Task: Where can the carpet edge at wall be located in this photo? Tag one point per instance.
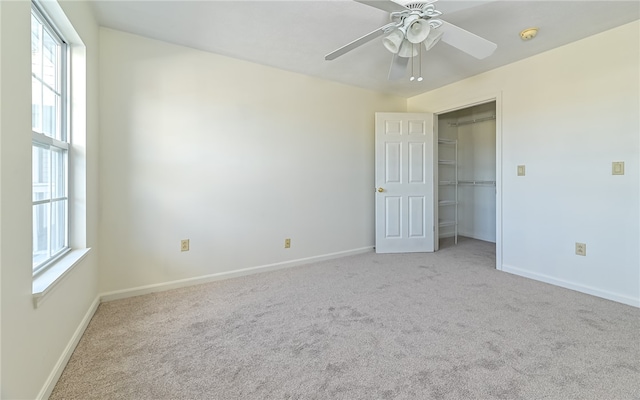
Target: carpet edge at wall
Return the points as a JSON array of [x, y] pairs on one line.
[[617, 297], [55, 374], [163, 286]]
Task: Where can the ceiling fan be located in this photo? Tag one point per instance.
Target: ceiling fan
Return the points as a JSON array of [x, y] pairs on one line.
[[412, 26]]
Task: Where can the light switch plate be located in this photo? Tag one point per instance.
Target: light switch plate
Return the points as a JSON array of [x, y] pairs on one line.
[[581, 249], [617, 168], [521, 170]]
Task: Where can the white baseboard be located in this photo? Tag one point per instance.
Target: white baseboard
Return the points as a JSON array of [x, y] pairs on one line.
[[51, 381], [635, 302], [160, 287], [478, 237], [446, 235]]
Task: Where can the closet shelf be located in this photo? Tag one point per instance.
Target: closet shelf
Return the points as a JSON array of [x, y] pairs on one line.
[[447, 223], [448, 176], [473, 121], [447, 141]]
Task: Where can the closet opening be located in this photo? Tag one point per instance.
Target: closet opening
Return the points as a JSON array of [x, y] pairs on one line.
[[466, 173]]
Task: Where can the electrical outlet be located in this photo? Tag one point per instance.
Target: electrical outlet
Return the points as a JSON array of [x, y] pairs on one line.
[[521, 170], [287, 243], [184, 245], [581, 249]]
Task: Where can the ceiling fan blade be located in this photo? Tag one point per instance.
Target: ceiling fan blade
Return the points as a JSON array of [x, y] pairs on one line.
[[466, 41], [359, 42], [384, 5], [398, 67]]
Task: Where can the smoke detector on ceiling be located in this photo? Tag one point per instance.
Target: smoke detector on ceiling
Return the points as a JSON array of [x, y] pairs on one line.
[[529, 33]]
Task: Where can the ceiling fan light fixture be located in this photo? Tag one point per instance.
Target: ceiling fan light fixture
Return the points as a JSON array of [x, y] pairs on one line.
[[393, 41], [408, 50], [433, 38], [418, 31]]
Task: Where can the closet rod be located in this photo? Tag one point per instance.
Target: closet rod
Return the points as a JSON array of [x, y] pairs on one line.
[[478, 183], [473, 121]]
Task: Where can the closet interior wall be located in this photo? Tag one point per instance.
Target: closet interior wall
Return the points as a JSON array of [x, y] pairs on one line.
[[474, 131]]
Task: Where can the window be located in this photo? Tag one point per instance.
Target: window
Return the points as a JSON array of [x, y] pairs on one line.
[[49, 124]]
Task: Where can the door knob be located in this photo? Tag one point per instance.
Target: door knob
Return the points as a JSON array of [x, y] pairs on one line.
[[380, 190]]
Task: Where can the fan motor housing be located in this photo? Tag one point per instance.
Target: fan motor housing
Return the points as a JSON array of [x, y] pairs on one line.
[[416, 6]]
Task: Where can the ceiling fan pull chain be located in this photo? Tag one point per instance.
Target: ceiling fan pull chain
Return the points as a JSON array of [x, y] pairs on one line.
[[420, 62], [412, 63]]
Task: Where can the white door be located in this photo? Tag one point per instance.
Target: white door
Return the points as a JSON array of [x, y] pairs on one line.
[[404, 183]]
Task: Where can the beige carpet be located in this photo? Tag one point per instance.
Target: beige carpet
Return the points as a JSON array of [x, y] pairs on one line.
[[412, 326]]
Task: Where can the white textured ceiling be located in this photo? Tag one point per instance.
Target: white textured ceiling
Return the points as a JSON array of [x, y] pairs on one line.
[[296, 35]]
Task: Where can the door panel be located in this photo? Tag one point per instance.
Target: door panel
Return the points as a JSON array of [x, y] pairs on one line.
[[393, 160], [416, 162], [416, 217], [405, 187], [393, 217], [417, 127]]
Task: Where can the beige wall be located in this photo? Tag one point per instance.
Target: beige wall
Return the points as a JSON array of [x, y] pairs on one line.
[[567, 114], [232, 155], [34, 339]]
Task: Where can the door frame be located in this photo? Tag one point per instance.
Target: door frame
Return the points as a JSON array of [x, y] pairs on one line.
[[497, 97]]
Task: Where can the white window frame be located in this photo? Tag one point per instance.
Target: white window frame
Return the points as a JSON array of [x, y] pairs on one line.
[[60, 142]]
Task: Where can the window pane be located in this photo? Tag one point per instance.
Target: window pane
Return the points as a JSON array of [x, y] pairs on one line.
[[40, 233], [49, 112], [58, 225], [58, 173], [36, 53], [49, 61], [49, 163], [40, 172], [36, 105]]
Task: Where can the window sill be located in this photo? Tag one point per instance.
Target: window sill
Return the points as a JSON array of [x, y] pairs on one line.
[[44, 283]]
